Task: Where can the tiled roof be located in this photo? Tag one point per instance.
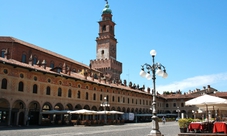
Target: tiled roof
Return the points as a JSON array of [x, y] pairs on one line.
[[192, 95], [12, 39]]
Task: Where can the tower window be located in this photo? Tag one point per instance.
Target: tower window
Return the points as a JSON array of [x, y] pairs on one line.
[[102, 52], [111, 28], [104, 28]]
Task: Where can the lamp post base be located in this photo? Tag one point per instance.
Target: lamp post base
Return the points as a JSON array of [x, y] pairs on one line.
[[155, 133], [155, 127]]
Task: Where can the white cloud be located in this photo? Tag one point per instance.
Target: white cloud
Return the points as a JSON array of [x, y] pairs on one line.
[[193, 83]]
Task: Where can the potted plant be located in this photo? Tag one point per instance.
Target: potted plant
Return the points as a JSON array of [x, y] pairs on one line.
[[183, 125]]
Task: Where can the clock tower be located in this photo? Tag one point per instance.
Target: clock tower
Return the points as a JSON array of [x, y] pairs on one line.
[[106, 47]]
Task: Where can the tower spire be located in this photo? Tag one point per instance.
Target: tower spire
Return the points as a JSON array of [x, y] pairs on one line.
[[107, 9]]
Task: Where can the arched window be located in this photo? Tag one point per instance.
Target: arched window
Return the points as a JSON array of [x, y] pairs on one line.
[[35, 88], [21, 86], [48, 90], [78, 94], [69, 93], [174, 104], [59, 92], [86, 95], [4, 83], [94, 96]]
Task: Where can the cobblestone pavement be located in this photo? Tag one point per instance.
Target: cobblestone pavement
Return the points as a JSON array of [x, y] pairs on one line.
[[131, 129]]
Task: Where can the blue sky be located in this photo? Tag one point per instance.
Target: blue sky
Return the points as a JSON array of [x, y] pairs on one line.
[[189, 36]]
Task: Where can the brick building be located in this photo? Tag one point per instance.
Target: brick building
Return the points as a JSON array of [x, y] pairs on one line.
[[33, 80]]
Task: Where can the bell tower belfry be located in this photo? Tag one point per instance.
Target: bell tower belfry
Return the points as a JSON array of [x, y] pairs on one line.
[[106, 47]]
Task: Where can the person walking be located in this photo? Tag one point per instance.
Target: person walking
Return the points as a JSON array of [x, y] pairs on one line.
[[163, 120], [28, 120]]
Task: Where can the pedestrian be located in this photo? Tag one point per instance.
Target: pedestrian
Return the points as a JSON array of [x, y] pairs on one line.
[[163, 120], [27, 123]]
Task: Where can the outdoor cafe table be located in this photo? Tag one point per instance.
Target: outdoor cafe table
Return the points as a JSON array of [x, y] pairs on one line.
[[196, 126], [220, 127]]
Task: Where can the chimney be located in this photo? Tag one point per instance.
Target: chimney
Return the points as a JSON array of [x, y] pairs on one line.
[[208, 86], [149, 90]]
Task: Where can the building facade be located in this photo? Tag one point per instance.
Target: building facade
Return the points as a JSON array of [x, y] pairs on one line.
[[34, 80]]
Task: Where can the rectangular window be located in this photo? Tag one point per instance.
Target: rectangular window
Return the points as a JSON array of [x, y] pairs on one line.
[[48, 90], [35, 88], [52, 65], [3, 54], [35, 61], [78, 94], [24, 58], [69, 93]]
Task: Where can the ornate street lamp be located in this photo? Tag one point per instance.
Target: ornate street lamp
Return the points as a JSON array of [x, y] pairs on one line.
[[155, 68], [178, 111], [104, 105]]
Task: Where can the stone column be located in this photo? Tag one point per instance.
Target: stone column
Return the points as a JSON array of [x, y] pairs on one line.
[[9, 117]]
